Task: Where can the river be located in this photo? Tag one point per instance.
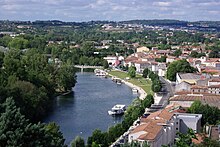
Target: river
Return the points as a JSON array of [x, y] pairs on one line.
[[86, 109]]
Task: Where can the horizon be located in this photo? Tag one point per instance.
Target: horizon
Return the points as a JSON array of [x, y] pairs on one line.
[[112, 10], [111, 20]]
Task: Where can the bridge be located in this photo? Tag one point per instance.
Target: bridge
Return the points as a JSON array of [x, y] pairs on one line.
[[87, 66]]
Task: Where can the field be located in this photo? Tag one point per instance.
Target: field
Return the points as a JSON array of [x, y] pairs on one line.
[[138, 80]]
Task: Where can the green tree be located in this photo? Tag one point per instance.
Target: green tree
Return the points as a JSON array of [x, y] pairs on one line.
[[4, 41], [161, 59], [181, 66], [185, 140], [98, 137], [214, 54], [15, 130], [132, 72], [207, 142], [210, 115], [148, 101], [146, 72], [78, 142], [177, 53], [156, 86], [65, 77], [31, 99], [12, 64], [105, 64], [19, 43], [1, 58], [194, 54], [54, 134]]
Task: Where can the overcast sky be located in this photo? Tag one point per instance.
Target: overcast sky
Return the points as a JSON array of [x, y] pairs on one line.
[[116, 10]]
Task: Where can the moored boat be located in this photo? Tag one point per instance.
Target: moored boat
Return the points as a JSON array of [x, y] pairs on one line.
[[117, 110]]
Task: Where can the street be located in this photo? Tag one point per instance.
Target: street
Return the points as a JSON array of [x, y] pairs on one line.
[[167, 91]]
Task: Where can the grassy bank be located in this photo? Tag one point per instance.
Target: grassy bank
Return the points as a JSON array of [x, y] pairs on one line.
[[138, 80]]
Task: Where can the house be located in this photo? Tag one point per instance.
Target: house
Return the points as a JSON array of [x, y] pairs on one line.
[[217, 65], [187, 77], [154, 66], [214, 81], [112, 60], [170, 59], [142, 49], [130, 60], [162, 69], [214, 132], [214, 89], [186, 100], [186, 120], [160, 127], [162, 52], [198, 89], [183, 86], [141, 65], [104, 42]]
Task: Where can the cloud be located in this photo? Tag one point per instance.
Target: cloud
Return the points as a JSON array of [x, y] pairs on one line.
[[85, 10], [162, 4]]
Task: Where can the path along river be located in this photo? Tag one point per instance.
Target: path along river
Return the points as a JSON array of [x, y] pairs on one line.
[[86, 109]]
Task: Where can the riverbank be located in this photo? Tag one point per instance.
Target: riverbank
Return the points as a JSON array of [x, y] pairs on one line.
[[143, 86]]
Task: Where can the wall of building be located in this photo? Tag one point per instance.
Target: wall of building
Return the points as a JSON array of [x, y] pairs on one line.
[[183, 86], [189, 121]]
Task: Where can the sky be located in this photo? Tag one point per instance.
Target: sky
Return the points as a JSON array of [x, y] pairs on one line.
[[114, 10]]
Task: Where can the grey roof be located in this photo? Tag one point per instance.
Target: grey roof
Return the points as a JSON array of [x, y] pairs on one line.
[[189, 76]]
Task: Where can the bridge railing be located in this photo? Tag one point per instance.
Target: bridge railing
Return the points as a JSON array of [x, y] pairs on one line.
[[87, 66]]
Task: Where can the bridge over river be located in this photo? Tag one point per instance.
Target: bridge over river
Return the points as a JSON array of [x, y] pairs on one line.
[[87, 66]]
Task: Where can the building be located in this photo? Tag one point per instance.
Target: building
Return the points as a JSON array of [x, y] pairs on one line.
[[112, 60], [186, 100], [160, 127], [183, 86], [142, 49], [214, 89], [162, 69], [154, 66], [187, 77], [141, 65], [214, 81], [198, 89], [186, 120]]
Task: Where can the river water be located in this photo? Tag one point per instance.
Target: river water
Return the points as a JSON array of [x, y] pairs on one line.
[[80, 113]]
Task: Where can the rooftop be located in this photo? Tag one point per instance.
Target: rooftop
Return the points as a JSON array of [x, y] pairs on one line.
[[190, 76], [153, 124], [213, 100]]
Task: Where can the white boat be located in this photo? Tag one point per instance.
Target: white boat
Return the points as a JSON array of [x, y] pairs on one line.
[[117, 110], [100, 73], [134, 90], [118, 83]]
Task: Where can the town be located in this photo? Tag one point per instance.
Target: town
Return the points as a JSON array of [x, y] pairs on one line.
[[179, 59]]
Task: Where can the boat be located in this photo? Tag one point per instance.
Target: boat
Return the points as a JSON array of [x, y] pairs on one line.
[[134, 90], [118, 83], [100, 73], [117, 110]]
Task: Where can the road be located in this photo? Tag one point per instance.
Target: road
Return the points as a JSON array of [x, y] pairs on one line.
[[167, 91]]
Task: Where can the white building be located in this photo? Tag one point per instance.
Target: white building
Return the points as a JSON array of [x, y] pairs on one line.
[[141, 65], [160, 127], [111, 60]]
